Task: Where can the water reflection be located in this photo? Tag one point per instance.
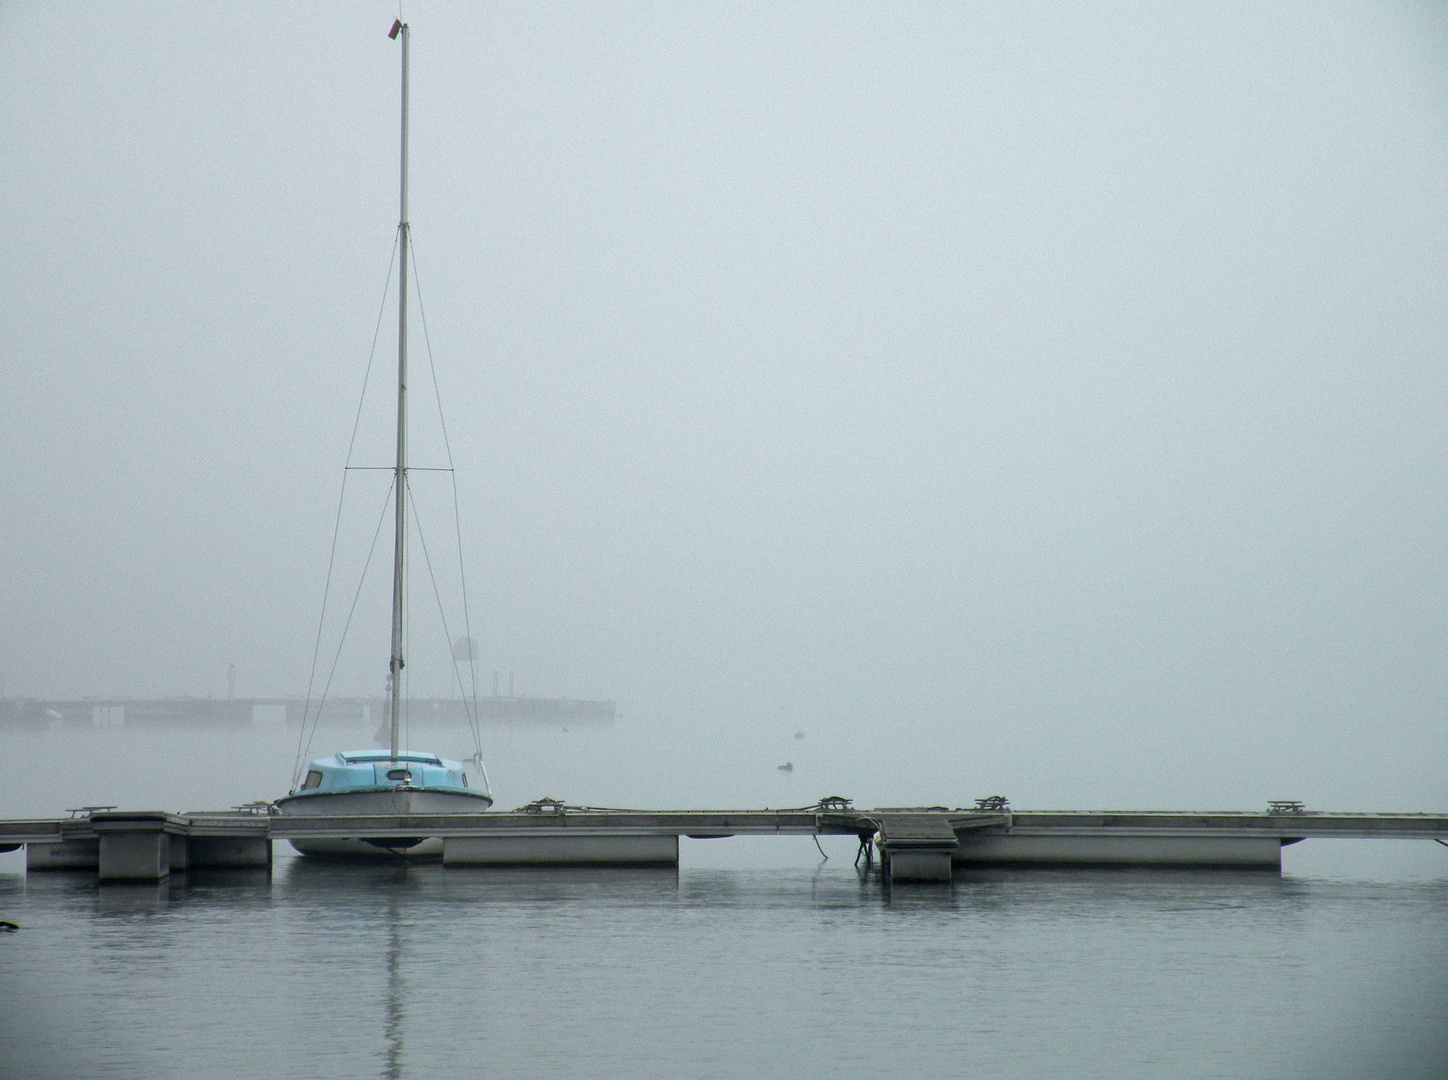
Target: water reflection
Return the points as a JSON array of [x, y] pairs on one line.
[[255, 880], [310, 879], [392, 1053], [654, 973], [132, 898]]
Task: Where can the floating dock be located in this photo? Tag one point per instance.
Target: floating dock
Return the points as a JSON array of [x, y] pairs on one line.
[[913, 843]]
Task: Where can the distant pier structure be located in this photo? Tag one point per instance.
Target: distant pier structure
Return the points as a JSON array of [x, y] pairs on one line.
[[261, 712]]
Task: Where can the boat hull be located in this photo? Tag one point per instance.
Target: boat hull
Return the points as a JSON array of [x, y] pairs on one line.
[[350, 849], [388, 801]]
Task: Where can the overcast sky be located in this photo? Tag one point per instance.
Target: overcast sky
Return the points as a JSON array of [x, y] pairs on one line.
[[986, 384]]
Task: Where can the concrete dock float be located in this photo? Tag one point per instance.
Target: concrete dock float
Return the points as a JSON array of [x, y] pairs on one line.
[[914, 843]]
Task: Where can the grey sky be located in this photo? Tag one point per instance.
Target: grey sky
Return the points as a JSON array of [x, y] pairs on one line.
[[981, 384]]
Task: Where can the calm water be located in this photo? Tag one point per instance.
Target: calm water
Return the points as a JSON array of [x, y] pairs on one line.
[[398, 971], [751, 961]]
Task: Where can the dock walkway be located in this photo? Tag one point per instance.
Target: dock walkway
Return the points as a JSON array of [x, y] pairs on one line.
[[916, 843]]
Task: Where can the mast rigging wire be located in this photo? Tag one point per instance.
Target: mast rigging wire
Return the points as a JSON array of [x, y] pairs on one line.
[[442, 617], [297, 770], [473, 717], [470, 701], [337, 523]]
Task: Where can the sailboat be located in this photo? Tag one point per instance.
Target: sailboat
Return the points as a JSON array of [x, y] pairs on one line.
[[395, 781]]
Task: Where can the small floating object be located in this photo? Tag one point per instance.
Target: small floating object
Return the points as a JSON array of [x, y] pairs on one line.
[[799, 734], [788, 766], [7, 927]]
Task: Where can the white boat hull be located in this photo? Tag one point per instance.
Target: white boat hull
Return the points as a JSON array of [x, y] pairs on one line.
[[399, 801]]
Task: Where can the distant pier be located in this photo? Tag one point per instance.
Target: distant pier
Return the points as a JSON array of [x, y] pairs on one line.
[[911, 843], [264, 711]]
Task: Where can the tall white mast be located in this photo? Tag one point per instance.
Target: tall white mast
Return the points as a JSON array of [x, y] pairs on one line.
[[400, 473]]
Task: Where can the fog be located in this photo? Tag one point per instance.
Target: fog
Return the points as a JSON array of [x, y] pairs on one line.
[[1045, 400]]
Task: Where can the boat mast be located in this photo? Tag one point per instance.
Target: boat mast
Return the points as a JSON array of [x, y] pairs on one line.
[[400, 473]]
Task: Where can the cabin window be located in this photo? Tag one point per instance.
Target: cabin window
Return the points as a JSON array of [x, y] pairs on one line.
[[399, 774], [465, 779], [314, 779]]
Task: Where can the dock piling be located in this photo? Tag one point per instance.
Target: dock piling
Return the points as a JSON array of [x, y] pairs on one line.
[[916, 846], [133, 846]]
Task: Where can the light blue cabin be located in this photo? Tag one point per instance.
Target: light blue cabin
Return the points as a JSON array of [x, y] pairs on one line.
[[377, 770]]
